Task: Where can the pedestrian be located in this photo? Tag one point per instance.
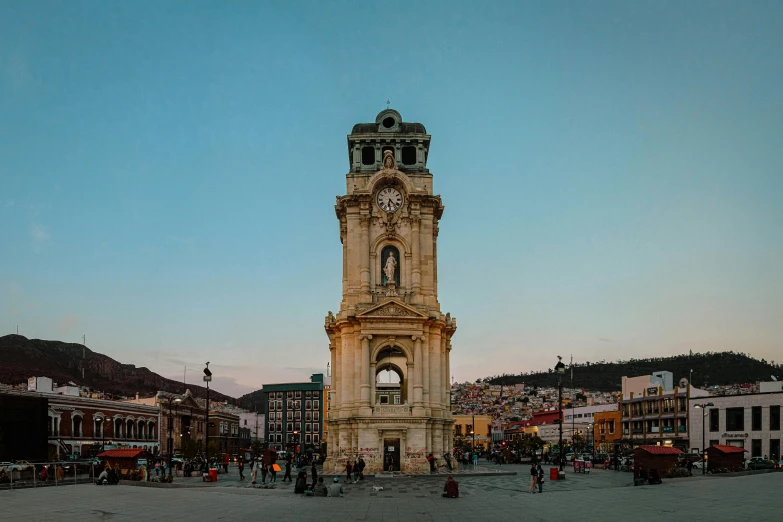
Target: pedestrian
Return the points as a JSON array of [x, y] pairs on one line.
[[361, 468], [287, 470], [264, 471], [348, 470], [157, 469], [540, 478], [254, 470], [533, 479], [356, 472], [431, 461], [273, 473], [475, 461], [314, 473], [241, 467]]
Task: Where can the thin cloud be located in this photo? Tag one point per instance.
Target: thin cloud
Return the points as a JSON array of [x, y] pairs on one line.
[[38, 233], [605, 340]]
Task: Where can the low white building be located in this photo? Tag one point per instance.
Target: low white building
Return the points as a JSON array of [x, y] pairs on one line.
[[750, 421], [254, 422], [579, 420]]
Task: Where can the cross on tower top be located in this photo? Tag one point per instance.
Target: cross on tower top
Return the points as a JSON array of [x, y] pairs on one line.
[[387, 103]]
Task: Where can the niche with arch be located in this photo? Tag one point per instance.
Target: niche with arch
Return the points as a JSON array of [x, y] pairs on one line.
[[387, 250]]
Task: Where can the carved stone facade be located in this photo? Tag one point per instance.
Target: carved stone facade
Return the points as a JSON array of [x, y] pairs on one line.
[[384, 322]]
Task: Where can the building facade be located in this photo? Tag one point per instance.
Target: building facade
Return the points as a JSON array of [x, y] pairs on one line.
[[654, 415], [750, 421], [183, 419], [473, 431], [295, 414], [606, 430], [224, 432], [389, 316], [255, 423]]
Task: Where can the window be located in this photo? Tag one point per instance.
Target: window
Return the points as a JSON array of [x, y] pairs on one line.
[[308, 405], [774, 449], [611, 427], [714, 442], [368, 155], [290, 404], [714, 419], [384, 399], [774, 418], [308, 439], [316, 416], [735, 419], [315, 428], [289, 426], [329, 396], [756, 418], [396, 399], [289, 415], [298, 426], [316, 405], [308, 427], [409, 155], [298, 394], [298, 415], [279, 437], [245, 422], [308, 416], [289, 395], [755, 448], [298, 405], [308, 394]]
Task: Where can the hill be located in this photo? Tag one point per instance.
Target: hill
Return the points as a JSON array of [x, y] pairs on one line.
[[723, 368], [62, 362]]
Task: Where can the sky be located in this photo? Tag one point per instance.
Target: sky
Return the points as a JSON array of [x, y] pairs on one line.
[[611, 173]]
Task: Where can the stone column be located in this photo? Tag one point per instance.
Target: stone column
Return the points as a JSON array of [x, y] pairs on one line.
[[335, 377], [364, 221], [416, 258], [365, 372], [344, 241], [445, 383], [418, 363], [345, 393], [409, 378], [372, 384], [436, 393], [356, 350], [437, 439], [425, 395]]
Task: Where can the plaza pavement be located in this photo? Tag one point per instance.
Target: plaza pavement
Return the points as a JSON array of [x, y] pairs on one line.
[[601, 495]]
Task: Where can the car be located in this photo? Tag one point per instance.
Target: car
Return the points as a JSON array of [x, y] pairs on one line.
[[760, 463]]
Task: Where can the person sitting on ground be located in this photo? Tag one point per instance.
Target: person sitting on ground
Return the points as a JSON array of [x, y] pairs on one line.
[[301, 483], [320, 489], [451, 488], [336, 489], [104, 476], [655, 478]]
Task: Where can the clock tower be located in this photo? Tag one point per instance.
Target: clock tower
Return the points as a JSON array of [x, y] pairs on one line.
[[390, 343]]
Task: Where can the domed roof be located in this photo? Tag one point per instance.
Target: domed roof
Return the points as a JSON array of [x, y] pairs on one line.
[[389, 120]]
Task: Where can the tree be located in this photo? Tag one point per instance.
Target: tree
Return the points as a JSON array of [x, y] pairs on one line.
[[257, 448], [578, 441]]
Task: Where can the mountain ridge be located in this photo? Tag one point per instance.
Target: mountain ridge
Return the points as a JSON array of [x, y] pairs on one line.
[[23, 358]]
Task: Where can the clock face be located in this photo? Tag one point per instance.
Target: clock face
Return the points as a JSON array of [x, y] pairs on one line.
[[389, 199]]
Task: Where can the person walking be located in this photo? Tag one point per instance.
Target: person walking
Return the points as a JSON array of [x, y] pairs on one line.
[[264, 471], [475, 461], [540, 478], [241, 467], [273, 473], [533, 479], [287, 470], [356, 472], [314, 472], [254, 470], [348, 470], [361, 468]]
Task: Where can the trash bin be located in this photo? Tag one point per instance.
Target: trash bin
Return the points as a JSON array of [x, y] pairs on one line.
[[213, 474], [561, 475], [553, 473]]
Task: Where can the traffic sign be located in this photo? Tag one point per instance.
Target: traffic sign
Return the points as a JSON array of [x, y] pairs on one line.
[[207, 378]]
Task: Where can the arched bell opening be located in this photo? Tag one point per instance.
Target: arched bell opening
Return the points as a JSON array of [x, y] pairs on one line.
[[391, 377]]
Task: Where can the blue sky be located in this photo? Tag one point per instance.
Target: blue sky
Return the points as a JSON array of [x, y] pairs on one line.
[[611, 171]]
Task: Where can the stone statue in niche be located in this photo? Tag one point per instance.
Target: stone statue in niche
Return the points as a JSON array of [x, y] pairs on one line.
[[388, 159], [391, 267]]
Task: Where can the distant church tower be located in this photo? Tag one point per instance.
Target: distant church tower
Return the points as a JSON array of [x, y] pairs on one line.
[[390, 320]]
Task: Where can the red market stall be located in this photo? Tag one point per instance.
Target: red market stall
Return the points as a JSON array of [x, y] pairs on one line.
[[721, 456], [659, 458]]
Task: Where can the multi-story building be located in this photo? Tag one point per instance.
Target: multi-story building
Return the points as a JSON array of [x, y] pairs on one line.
[[750, 421], [82, 426], [473, 430], [254, 422], [606, 430], [655, 411], [183, 418], [580, 420], [327, 400], [224, 431], [295, 414]]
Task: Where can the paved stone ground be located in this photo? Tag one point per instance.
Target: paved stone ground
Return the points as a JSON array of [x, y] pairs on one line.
[[597, 496]]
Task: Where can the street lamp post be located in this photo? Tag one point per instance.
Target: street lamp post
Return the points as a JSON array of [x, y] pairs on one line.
[[703, 407], [560, 369], [170, 398], [473, 432], [207, 378]]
